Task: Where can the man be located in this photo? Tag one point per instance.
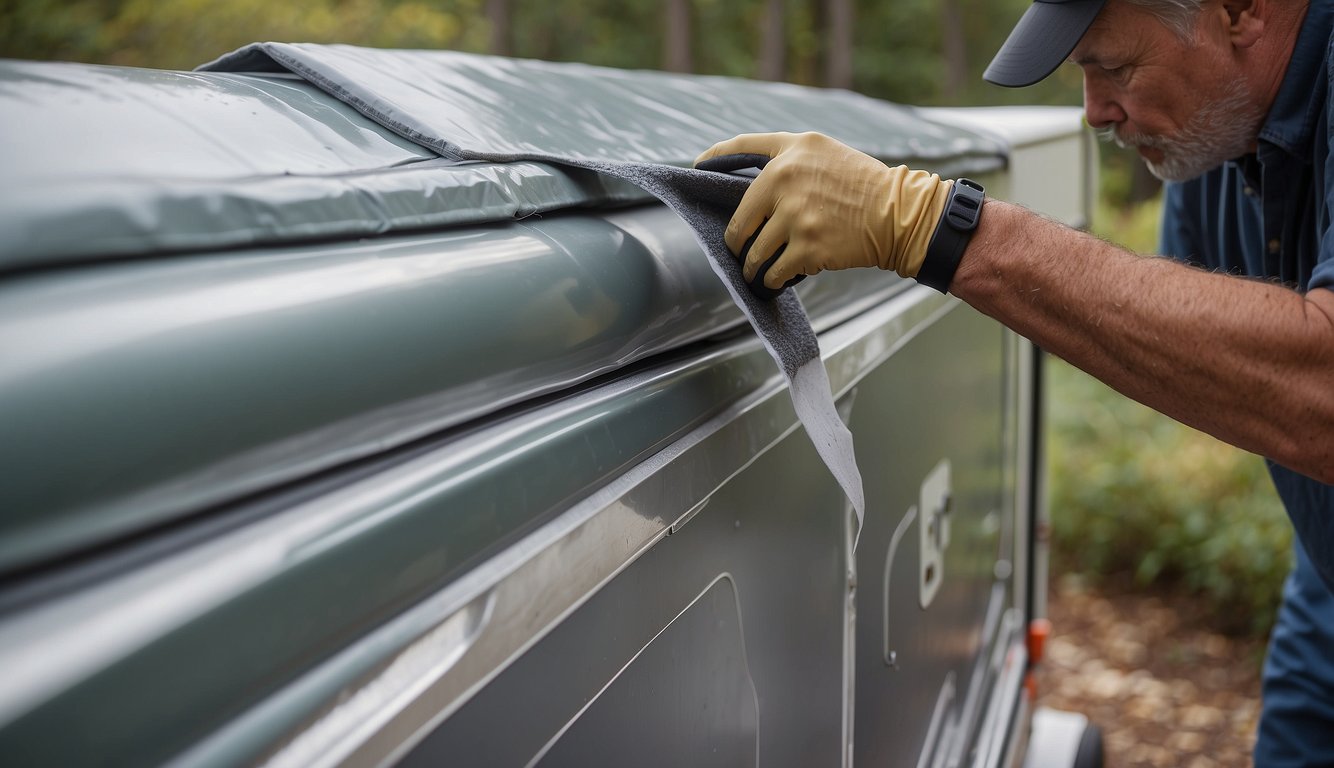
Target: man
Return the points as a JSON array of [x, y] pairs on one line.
[[1228, 97]]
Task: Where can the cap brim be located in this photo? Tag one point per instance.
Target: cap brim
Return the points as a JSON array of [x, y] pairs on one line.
[[1042, 39]]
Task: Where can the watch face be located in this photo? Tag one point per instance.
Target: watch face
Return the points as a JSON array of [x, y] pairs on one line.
[[965, 205]]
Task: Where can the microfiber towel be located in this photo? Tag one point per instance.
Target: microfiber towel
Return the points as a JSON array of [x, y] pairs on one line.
[[377, 84], [706, 200]]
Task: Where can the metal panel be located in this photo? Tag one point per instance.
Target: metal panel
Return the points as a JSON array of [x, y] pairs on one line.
[[1049, 156], [531, 633], [776, 531], [686, 698], [357, 555], [773, 499], [188, 383], [211, 630], [941, 399]]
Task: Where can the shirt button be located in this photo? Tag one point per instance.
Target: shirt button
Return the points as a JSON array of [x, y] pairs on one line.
[[1274, 245]]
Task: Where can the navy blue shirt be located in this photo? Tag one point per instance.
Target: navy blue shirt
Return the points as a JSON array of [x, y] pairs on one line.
[[1268, 215]]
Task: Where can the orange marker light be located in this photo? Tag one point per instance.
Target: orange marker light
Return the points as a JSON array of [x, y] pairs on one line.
[[1038, 631]]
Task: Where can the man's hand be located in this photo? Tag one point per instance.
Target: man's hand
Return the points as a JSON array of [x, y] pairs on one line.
[[833, 207]]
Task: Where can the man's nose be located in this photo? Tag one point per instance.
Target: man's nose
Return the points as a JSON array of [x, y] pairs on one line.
[[1101, 108]]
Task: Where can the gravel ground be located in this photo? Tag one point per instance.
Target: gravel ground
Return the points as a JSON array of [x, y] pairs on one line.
[[1165, 689]]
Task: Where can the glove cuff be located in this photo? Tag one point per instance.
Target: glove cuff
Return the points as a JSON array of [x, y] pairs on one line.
[[958, 221], [914, 203]]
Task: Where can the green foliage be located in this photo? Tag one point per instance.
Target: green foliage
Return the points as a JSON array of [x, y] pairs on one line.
[[616, 33], [1135, 493], [900, 54], [1124, 180], [727, 36], [897, 52], [179, 34], [1130, 226]]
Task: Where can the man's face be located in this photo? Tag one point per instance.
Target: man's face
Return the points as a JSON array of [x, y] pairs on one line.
[[1183, 104]]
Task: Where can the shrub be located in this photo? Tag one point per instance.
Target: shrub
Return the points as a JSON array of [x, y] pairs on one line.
[[1134, 493]]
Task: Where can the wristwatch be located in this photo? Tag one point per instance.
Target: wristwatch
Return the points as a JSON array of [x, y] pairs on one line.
[[953, 231]]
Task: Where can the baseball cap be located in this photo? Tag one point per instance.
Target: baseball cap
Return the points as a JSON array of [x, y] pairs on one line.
[[1043, 38]]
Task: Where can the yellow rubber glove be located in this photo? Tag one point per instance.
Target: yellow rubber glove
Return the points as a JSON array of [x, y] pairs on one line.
[[833, 206]]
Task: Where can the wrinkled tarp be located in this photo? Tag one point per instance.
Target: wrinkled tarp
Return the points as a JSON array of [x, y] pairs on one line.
[[449, 101], [185, 162]]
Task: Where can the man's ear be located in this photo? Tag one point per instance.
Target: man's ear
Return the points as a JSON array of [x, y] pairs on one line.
[[1245, 21]]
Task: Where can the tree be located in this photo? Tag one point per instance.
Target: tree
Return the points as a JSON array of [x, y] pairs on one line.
[[773, 41], [838, 43], [499, 14], [676, 46], [954, 46]]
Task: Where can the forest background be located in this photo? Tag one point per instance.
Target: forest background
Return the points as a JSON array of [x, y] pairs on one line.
[[1137, 499]]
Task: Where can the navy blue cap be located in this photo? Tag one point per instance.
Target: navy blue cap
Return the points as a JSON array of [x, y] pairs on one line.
[[1043, 38]]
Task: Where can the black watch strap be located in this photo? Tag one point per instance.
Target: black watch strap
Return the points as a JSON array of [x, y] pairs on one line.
[[953, 231]]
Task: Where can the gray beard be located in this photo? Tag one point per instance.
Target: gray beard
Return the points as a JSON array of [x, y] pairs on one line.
[[1221, 130]]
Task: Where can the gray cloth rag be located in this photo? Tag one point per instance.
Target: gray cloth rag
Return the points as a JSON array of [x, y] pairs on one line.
[[704, 199]]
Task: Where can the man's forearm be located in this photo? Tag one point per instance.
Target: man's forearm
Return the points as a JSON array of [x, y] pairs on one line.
[[1247, 361]]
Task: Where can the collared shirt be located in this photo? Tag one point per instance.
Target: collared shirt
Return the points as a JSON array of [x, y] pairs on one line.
[[1268, 215]]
